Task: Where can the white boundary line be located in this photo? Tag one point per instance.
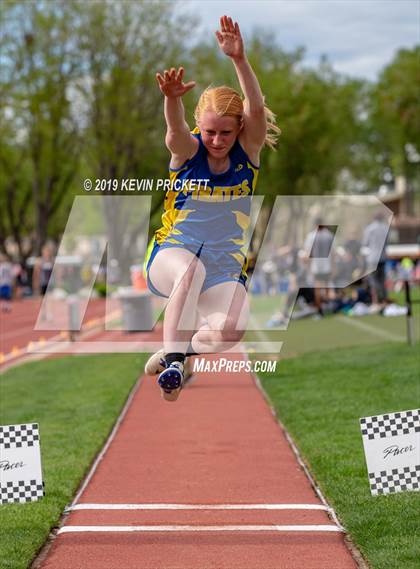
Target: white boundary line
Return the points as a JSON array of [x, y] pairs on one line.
[[329, 509], [196, 528], [311, 480], [42, 555], [371, 329], [108, 442], [198, 507], [270, 346], [179, 528]]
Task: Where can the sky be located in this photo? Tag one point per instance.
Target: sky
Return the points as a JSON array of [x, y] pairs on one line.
[[359, 37]]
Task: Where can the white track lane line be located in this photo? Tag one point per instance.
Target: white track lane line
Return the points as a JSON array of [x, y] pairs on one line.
[[76, 506], [272, 347], [296, 452], [179, 528], [198, 507], [371, 329], [108, 441]]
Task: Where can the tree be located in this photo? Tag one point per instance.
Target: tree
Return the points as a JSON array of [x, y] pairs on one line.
[[395, 116], [123, 45], [40, 66], [317, 110], [16, 219], [79, 89]]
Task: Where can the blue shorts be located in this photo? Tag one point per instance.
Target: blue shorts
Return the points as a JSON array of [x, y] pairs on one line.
[[5, 292], [220, 266]]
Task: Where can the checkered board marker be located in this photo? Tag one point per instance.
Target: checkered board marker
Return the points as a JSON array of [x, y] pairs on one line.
[[20, 464], [392, 449]]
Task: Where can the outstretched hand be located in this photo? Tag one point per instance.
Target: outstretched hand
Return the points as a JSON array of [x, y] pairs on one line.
[[229, 38], [171, 83]]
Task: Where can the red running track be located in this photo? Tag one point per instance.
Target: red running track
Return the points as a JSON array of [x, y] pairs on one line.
[[218, 444], [17, 328]]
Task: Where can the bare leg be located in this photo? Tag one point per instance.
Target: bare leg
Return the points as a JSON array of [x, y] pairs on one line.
[[318, 296], [226, 309], [178, 274]]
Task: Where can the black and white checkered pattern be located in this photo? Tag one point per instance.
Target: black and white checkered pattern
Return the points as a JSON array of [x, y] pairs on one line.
[[396, 480], [17, 436], [392, 424], [22, 491]]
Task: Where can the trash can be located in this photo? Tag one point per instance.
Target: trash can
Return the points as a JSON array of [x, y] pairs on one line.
[[137, 313]]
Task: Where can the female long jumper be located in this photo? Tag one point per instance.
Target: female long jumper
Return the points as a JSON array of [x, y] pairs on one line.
[[198, 259]]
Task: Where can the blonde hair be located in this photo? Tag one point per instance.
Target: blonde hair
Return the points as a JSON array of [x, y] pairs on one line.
[[225, 101]]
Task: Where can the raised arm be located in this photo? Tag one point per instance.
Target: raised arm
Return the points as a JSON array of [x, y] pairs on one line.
[[255, 123], [178, 138]]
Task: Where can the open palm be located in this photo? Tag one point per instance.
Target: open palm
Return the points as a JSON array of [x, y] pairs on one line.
[[172, 85], [229, 38]]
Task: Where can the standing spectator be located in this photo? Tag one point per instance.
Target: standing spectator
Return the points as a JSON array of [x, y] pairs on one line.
[[43, 270], [21, 279], [318, 251], [353, 257], [6, 283], [42, 279], [349, 262], [374, 243]]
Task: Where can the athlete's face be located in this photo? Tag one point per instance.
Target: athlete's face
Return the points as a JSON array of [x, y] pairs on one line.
[[218, 133]]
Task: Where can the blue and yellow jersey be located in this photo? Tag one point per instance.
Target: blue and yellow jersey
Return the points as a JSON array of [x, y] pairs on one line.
[[214, 214]]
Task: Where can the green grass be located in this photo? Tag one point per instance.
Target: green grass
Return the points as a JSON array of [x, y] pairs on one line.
[[76, 401], [308, 335], [320, 397], [399, 298]]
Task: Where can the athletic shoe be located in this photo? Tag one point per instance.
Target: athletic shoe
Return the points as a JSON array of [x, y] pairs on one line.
[[156, 363], [171, 381]]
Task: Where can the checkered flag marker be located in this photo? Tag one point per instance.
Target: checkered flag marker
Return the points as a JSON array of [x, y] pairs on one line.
[[392, 450], [20, 464]]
